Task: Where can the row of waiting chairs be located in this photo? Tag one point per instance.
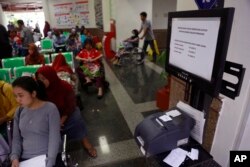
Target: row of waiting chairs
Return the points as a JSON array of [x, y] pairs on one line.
[[15, 67], [47, 44], [20, 61], [7, 75]]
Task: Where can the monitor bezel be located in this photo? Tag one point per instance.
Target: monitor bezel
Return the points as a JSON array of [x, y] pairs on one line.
[[211, 87]]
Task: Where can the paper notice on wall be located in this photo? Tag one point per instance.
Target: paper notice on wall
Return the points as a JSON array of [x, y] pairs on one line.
[[71, 13], [198, 116]]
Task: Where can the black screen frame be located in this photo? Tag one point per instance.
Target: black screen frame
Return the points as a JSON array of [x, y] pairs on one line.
[[210, 87]]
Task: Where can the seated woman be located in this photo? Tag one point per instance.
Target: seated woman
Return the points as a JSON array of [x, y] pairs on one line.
[[90, 68], [36, 124], [62, 95], [7, 107], [34, 57], [59, 42], [64, 71], [127, 45], [73, 43], [49, 35]]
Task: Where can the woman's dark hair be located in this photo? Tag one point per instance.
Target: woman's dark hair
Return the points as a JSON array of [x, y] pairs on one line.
[[88, 41], [82, 29], [135, 32], [29, 84], [20, 22]]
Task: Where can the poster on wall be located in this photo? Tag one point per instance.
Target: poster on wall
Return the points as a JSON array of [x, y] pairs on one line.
[[98, 13], [71, 14]]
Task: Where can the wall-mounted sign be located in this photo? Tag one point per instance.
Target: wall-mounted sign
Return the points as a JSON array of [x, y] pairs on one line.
[[72, 14]]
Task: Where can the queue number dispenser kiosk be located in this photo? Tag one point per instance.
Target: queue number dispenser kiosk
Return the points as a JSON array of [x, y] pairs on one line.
[[197, 46], [163, 131]]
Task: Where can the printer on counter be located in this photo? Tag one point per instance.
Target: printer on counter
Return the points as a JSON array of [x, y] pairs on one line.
[[163, 131]]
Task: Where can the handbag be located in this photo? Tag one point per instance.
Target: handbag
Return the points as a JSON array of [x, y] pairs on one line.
[[59, 162]]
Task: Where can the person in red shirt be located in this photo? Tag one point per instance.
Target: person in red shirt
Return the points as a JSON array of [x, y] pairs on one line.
[[90, 68], [62, 95]]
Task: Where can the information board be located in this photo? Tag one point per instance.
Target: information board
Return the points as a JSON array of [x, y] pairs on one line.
[[193, 44], [71, 14]]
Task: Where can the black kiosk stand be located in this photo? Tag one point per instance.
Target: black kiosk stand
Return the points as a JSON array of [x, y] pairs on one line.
[[197, 44]]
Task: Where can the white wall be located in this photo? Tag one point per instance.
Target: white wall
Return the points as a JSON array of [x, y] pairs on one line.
[[160, 12], [128, 16], [234, 111], [91, 13], [230, 121], [106, 15], [244, 134], [1, 15], [186, 5], [45, 4]]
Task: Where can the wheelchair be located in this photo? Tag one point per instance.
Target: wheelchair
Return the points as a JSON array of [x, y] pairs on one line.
[[128, 54]]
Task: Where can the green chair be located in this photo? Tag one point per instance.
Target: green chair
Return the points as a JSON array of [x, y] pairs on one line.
[[53, 56], [68, 56], [66, 34], [47, 46], [5, 74], [13, 62], [71, 64], [25, 70], [47, 58]]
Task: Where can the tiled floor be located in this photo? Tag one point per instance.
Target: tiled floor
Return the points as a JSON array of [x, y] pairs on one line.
[[111, 121], [141, 82]]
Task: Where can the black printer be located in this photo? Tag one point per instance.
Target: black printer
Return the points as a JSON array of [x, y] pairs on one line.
[[163, 131]]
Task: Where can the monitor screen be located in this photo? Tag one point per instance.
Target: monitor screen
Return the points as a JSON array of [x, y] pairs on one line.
[[197, 46], [193, 43]]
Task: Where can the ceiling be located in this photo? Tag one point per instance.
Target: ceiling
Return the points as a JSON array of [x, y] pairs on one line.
[[16, 6]]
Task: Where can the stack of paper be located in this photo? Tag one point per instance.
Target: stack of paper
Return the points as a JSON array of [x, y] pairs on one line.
[[198, 116], [193, 154], [178, 156], [38, 161], [167, 116], [173, 113]]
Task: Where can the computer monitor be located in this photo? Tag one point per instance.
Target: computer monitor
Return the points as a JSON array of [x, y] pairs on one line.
[[197, 46]]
